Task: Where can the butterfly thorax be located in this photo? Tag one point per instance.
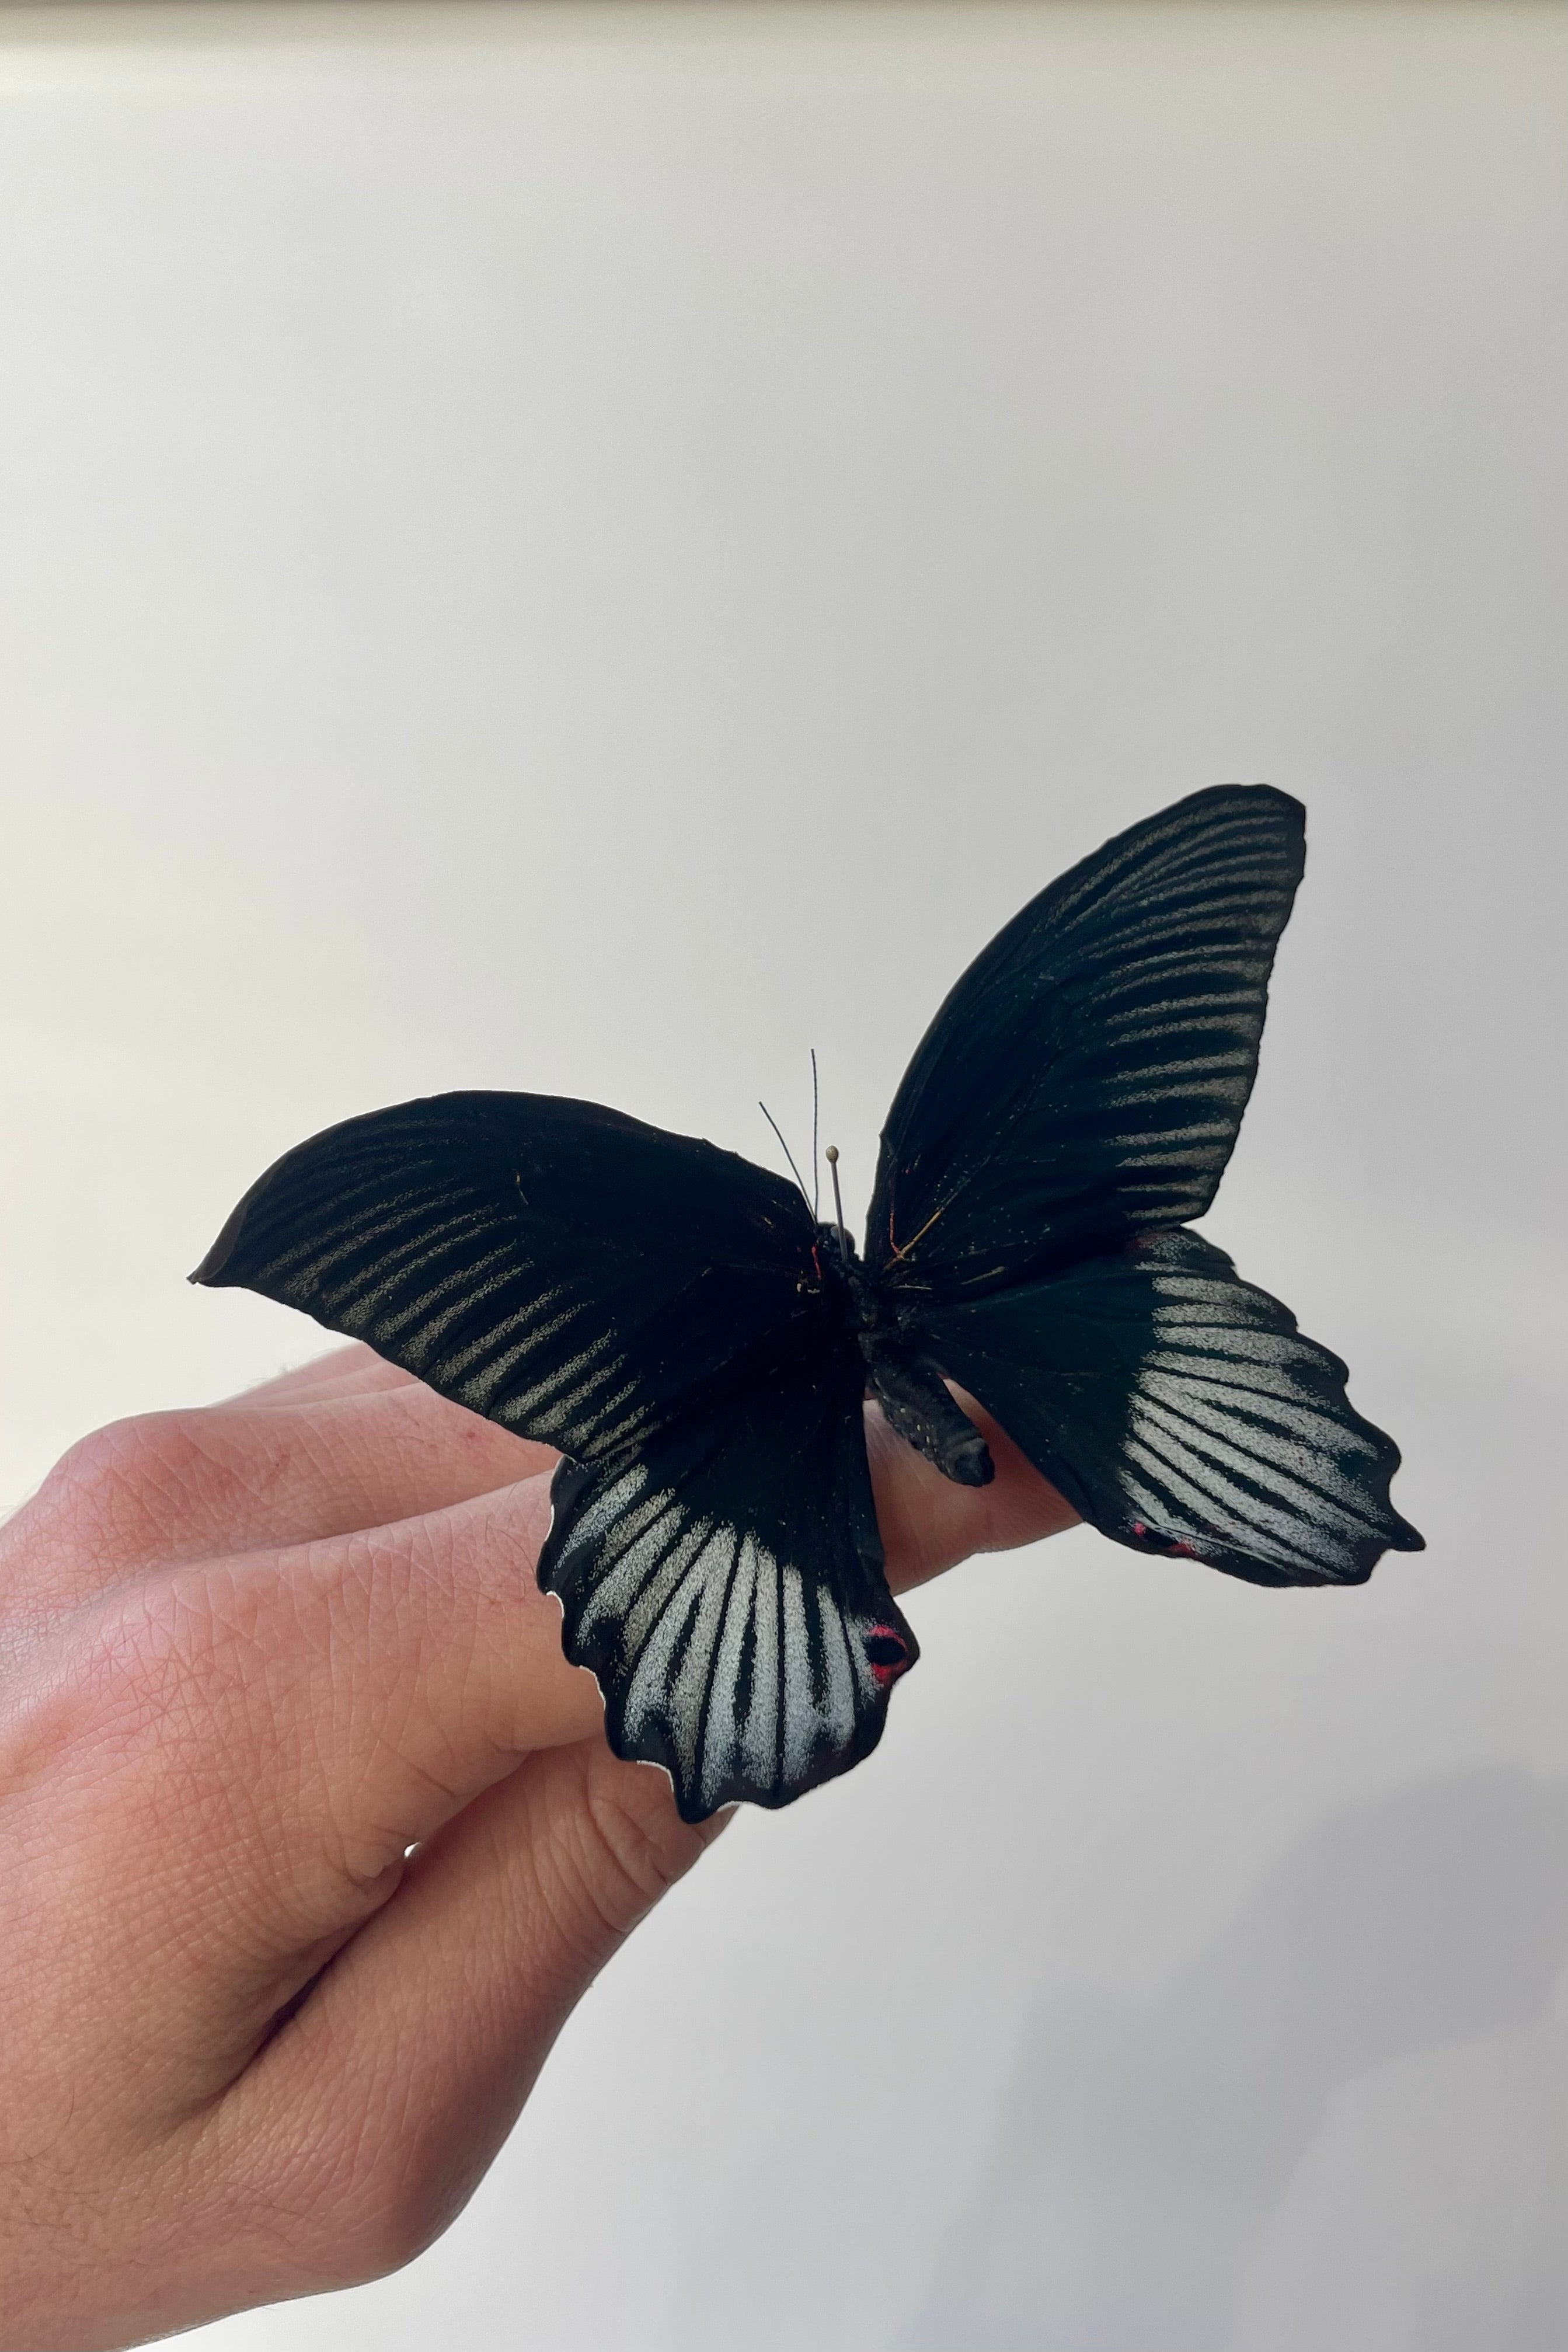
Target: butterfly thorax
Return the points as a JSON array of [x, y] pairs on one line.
[[906, 1383]]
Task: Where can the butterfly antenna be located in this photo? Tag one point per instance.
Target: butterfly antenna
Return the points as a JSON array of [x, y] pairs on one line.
[[837, 1204], [788, 1154], [816, 1162]]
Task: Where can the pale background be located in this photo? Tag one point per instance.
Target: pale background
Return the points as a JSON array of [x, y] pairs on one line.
[[594, 549]]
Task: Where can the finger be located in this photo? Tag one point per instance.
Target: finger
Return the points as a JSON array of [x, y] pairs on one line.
[[928, 1523], [412, 2053], [340, 1372], [369, 1686], [425, 1659], [238, 1477], [301, 1719], [346, 1700]]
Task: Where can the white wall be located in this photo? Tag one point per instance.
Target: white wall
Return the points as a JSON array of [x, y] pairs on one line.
[[594, 549]]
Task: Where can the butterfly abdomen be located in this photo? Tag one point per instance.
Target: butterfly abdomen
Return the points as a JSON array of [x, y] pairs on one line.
[[918, 1405]]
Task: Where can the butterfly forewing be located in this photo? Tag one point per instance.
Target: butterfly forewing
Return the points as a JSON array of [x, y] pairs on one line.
[[1180, 1410], [724, 1582], [569, 1272], [1087, 1077]]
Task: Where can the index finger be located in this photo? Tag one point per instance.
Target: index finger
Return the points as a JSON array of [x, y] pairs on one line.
[[928, 1523]]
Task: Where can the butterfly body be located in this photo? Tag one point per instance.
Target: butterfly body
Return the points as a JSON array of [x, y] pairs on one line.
[[903, 1380], [700, 1346], [919, 1406]]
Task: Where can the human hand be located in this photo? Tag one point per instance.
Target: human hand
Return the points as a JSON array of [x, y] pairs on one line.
[[249, 1656]]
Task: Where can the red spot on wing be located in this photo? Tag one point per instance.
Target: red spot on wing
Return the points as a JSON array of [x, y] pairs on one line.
[[1166, 1545], [887, 1653]]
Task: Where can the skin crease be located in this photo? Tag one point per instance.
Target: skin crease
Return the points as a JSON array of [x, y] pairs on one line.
[[249, 1655]]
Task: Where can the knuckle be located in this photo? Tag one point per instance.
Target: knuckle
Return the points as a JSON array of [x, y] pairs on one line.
[[81, 1489], [128, 1488], [129, 1453], [146, 1694], [167, 1652]]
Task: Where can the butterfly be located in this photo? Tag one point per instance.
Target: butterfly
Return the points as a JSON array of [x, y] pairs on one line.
[[699, 1345]]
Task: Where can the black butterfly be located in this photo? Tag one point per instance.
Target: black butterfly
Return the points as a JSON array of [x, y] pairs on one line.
[[698, 1346]]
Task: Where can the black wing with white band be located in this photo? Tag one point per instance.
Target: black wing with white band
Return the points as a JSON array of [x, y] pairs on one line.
[[567, 1272], [1180, 1410], [724, 1581]]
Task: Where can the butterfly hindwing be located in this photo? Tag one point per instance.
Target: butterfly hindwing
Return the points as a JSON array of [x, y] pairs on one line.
[[1086, 1078], [566, 1271], [724, 1581], [1179, 1410]]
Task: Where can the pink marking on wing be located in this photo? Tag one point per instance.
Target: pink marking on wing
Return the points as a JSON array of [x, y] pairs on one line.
[[886, 1668]]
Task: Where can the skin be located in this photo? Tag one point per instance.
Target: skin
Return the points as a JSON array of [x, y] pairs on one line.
[[249, 1655]]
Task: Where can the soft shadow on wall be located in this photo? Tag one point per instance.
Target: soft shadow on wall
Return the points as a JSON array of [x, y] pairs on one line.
[[1144, 2147]]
